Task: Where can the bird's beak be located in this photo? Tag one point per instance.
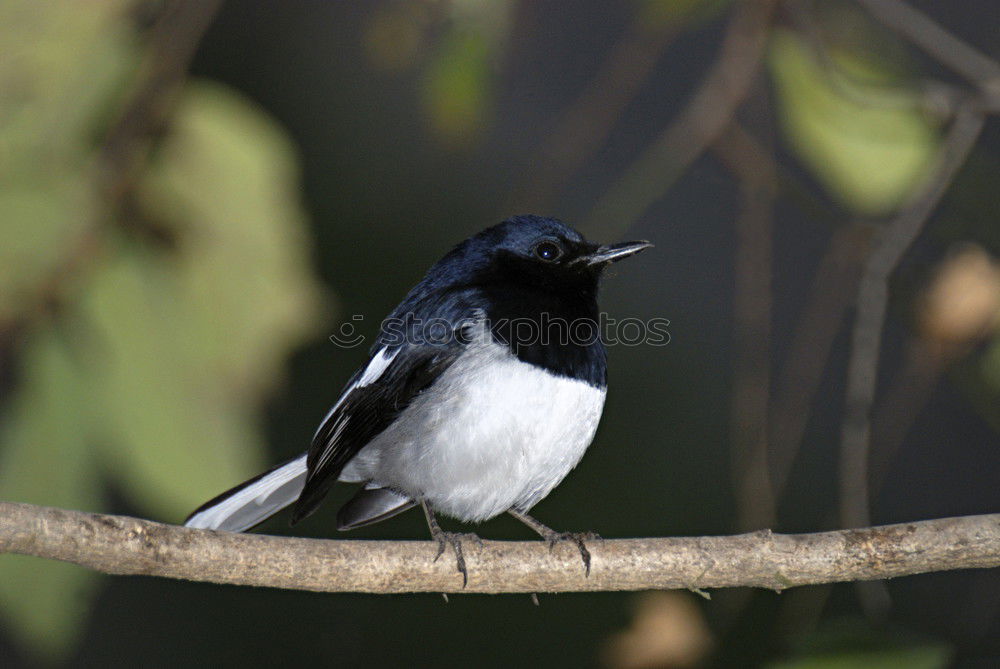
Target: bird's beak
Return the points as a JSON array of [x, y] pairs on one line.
[[614, 252]]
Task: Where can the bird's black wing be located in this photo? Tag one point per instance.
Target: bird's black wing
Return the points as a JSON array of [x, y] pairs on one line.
[[372, 401]]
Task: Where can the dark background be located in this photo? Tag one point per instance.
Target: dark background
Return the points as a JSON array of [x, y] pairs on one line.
[[387, 199]]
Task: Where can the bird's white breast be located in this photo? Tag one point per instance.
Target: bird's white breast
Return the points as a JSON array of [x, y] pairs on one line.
[[492, 433]]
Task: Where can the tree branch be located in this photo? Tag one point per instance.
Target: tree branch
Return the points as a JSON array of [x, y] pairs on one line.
[[175, 38], [122, 545], [955, 53]]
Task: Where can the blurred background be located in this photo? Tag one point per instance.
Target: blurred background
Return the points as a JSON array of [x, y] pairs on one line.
[[195, 194]]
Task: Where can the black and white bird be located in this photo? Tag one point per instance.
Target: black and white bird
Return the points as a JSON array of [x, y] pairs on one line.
[[482, 391]]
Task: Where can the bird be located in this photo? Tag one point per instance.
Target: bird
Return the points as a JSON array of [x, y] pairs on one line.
[[482, 391]]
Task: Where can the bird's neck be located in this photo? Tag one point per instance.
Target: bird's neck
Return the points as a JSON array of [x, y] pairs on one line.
[[558, 331]]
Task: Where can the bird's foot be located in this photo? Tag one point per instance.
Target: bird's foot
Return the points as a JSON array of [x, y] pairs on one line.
[[553, 537], [578, 538], [454, 539]]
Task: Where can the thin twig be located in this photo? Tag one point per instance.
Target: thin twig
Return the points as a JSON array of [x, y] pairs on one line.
[[753, 165], [949, 50], [586, 124], [893, 242], [830, 297], [175, 38], [936, 98], [862, 369], [708, 113], [122, 545]]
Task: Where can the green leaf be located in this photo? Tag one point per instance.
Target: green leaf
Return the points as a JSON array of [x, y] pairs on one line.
[[227, 181], [869, 145], [457, 86], [45, 459], [176, 345], [187, 340], [169, 433], [43, 222], [60, 68]]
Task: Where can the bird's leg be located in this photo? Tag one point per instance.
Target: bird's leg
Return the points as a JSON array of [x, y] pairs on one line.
[[453, 539], [554, 537]]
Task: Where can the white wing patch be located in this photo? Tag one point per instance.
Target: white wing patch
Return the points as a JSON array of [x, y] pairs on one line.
[[379, 363], [375, 369]]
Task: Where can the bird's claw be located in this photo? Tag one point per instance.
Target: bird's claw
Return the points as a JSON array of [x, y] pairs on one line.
[[577, 538], [454, 539]]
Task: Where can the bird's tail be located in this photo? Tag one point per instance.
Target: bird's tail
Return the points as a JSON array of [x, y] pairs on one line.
[[254, 501]]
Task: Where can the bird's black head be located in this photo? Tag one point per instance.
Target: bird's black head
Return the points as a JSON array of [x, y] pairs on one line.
[[539, 252], [527, 271]]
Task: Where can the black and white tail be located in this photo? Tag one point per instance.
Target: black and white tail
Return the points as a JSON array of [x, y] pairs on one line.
[[254, 501]]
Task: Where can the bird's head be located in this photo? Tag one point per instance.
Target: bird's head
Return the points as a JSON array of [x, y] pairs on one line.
[[540, 251]]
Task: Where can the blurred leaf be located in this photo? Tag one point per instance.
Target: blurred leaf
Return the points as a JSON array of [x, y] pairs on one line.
[[45, 459], [168, 432], [227, 180], [925, 657], [457, 87], [668, 630], [691, 12], [396, 35], [868, 144], [991, 368], [42, 221], [979, 378], [188, 340], [59, 68], [852, 642], [961, 304], [176, 344]]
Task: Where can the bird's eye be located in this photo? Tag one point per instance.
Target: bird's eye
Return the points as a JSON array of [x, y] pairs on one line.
[[548, 251]]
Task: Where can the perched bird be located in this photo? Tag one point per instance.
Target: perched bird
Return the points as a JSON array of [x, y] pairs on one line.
[[482, 391]]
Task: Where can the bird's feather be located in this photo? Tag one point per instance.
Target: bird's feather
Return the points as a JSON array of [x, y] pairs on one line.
[[366, 409], [254, 501]]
